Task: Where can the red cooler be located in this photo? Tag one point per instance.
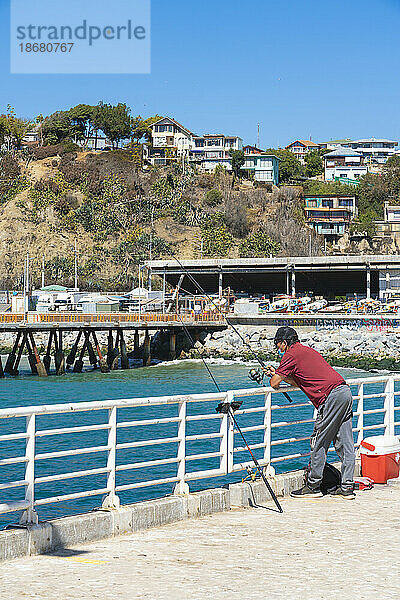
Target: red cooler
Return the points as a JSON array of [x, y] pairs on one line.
[[380, 457]]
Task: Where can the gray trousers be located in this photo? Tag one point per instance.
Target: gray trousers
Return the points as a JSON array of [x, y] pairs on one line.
[[333, 424]]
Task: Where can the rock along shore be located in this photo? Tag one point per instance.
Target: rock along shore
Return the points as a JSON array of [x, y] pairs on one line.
[[361, 349]]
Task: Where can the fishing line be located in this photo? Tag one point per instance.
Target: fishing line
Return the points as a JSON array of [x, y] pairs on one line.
[[191, 340], [229, 408], [196, 283]]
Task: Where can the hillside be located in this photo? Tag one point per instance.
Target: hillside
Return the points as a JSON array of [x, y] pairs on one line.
[[121, 215]]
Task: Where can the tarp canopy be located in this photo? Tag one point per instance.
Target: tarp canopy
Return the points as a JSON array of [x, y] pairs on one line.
[[53, 288]]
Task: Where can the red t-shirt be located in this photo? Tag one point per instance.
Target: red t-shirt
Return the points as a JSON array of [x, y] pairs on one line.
[[310, 371]]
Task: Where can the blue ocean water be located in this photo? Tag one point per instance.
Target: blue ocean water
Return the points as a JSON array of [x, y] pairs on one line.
[[159, 380]]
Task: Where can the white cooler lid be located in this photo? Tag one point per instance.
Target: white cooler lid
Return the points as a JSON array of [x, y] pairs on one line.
[[382, 444]]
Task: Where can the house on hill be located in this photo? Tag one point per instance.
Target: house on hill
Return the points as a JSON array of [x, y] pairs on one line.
[[344, 164], [300, 148]]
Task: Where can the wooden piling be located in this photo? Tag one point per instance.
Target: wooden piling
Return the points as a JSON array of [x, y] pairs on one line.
[[9, 366], [172, 345], [136, 344], [20, 350], [115, 353], [40, 368], [78, 366], [91, 353], [124, 354], [72, 354], [31, 356], [146, 350], [47, 356], [104, 368], [110, 348], [59, 358]]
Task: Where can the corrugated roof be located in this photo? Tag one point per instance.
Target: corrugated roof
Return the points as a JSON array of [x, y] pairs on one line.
[[340, 151]]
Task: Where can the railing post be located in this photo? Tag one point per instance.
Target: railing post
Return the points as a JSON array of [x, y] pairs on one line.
[[269, 469], [182, 487], [360, 410], [223, 443], [30, 516], [112, 500], [230, 437], [389, 406]]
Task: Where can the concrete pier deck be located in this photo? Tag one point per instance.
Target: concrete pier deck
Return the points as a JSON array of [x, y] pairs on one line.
[[317, 549]]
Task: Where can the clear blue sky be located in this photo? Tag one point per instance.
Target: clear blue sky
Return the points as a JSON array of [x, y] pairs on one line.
[[300, 69]]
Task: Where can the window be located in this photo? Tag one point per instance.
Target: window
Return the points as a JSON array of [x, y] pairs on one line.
[[216, 142]]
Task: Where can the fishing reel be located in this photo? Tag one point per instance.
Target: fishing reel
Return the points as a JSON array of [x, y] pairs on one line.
[[256, 375]]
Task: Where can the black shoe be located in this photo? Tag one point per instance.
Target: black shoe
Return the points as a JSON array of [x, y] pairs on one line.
[[347, 494], [306, 492]]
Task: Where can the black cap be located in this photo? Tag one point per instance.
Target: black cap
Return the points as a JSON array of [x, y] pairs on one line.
[[285, 334]]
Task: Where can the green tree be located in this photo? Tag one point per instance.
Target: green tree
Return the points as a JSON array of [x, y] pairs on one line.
[[58, 127], [365, 223], [82, 121], [141, 128], [314, 164], [258, 244], [237, 161], [289, 166], [15, 128], [114, 121]]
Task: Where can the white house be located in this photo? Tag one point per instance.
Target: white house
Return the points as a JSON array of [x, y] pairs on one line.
[[375, 150], [211, 150], [344, 163], [171, 140]]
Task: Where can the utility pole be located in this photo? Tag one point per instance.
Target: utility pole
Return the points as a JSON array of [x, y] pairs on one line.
[[24, 288], [140, 293], [258, 135], [43, 271], [76, 267]]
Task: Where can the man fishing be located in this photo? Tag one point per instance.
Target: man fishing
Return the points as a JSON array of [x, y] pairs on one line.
[[306, 369]]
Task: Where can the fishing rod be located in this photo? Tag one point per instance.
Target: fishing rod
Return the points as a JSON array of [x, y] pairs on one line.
[[254, 374], [229, 408]]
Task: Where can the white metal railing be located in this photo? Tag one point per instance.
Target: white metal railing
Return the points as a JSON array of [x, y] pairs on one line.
[[271, 434]]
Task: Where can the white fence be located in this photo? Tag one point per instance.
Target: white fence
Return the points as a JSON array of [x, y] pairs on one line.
[[275, 439]]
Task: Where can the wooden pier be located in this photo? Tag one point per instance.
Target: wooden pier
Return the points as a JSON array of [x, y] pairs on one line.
[[86, 344]]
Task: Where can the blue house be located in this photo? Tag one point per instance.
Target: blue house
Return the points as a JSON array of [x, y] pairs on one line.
[[264, 166]]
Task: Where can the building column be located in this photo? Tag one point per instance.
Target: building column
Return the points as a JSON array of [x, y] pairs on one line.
[[293, 282], [368, 282], [388, 284], [220, 281], [287, 282]]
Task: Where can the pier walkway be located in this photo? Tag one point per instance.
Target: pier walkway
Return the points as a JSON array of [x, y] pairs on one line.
[[316, 550]]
